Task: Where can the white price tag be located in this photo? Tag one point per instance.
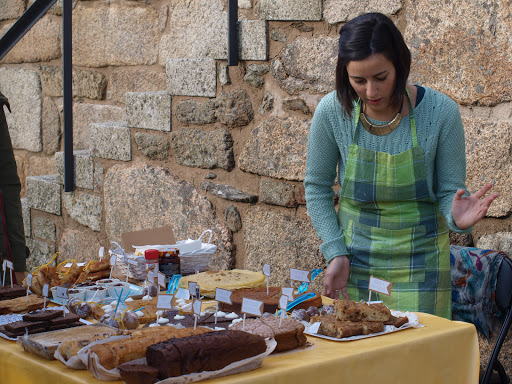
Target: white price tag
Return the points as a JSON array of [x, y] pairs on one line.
[[313, 328], [161, 279], [164, 302], [299, 275], [67, 265], [223, 295], [288, 292], [80, 264], [29, 280], [196, 306], [61, 292], [8, 264], [113, 259], [130, 261], [101, 252], [266, 270], [183, 293], [283, 302], [192, 287], [379, 285], [45, 290], [151, 276], [252, 307]]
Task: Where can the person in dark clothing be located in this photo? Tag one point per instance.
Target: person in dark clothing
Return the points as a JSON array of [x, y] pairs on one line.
[[12, 234]]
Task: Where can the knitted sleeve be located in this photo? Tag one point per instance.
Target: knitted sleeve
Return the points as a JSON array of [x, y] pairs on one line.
[[322, 159], [450, 161]]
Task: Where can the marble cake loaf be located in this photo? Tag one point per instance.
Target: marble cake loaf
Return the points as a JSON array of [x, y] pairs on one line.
[[207, 352], [289, 333]]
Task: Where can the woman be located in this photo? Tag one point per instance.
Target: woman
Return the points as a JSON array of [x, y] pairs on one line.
[[400, 154]]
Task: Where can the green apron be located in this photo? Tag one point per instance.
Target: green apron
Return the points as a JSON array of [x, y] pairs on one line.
[[393, 230]]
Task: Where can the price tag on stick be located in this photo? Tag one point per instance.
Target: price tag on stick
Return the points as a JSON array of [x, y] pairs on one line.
[[196, 307], [223, 295], [192, 288], [300, 275], [288, 292], [161, 279], [183, 293], [29, 283], [165, 302], [45, 294], [251, 307], [266, 272], [112, 263], [380, 286], [283, 302], [7, 265]]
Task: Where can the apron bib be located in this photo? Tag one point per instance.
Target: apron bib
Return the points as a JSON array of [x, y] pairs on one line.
[[393, 230]]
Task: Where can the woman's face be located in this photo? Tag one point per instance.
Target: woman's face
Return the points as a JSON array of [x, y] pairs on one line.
[[373, 79]]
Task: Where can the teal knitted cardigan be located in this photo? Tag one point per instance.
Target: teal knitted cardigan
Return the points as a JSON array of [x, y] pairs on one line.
[[440, 133]]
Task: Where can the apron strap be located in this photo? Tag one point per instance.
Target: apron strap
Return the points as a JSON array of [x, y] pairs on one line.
[[412, 120]]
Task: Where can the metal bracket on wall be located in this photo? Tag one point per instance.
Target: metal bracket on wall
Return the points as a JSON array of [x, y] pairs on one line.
[[233, 32]]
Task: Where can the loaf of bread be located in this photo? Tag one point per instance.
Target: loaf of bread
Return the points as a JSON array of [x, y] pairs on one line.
[[348, 310], [332, 327], [288, 333], [206, 352], [116, 352]]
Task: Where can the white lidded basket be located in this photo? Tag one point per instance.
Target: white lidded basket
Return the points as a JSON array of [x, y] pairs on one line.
[[194, 254]]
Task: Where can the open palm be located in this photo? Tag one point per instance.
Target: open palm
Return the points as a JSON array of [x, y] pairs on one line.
[[468, 210]]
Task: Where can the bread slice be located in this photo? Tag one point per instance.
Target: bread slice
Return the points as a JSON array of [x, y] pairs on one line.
[[347, 310]]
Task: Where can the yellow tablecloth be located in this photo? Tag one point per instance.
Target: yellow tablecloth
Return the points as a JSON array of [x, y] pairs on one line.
[[441, 352]]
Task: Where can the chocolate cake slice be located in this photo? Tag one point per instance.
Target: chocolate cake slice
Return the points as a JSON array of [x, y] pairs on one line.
[[44, 315], [138, 373], [10, 293], [66, 319], [19, 326]]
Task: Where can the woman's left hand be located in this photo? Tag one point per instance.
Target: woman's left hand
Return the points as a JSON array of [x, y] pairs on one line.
[[468, 210]]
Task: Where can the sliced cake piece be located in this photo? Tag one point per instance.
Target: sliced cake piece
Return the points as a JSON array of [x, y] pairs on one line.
[[348, 310]]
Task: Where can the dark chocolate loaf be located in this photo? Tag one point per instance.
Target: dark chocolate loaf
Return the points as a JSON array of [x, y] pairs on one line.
[[207, 352]]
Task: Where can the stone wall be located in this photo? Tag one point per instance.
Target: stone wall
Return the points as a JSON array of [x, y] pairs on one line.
[[165, 133]]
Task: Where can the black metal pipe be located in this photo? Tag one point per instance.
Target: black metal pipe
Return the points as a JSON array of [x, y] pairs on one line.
[[69, 174], [233, 32], [23, 25]]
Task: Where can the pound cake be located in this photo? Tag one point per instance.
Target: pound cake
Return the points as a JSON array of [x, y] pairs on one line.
[[288, 336], [206, 352], [270, 301], [332, 327], [113, 353], [348, 310]]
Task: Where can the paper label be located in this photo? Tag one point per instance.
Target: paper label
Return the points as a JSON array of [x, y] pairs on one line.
[[223, 295], [196, 306], [151, 276], [7, 264], [252, 307], [266, 270], [113, 259], [379, 285], [45, 290], [67, 265], [192, 287], [61, 292], [161, 279], [164, 302], [299, 275], [283, 302], [130, 261], [101, 252], [313, 328], [80, 264], [287, 292], [183, 293], [29, 279]]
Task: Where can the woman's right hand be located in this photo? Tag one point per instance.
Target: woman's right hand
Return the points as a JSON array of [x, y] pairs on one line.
[[336, 278]]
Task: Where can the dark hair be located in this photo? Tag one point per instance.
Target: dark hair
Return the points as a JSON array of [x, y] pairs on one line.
[[364, 36]]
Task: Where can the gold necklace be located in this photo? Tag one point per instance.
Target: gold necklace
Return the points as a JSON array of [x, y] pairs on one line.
[[380, 130]]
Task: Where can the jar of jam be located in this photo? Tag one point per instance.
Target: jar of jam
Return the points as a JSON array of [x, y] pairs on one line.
[[170, 264]]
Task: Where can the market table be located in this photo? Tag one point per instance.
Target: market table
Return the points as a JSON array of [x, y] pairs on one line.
[[441, 352]]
